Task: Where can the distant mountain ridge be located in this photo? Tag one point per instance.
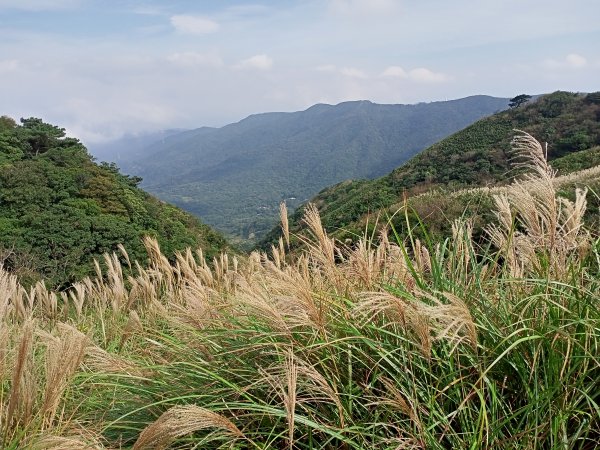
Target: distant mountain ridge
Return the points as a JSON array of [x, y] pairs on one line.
[[234, 177], [478, 155]]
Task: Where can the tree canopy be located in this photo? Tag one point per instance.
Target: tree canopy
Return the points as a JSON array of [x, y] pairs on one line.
[[59, 210], [519, 100]]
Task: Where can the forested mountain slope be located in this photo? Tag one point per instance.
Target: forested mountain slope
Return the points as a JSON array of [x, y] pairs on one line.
[[234, 177], [59, 210], [479, 155]]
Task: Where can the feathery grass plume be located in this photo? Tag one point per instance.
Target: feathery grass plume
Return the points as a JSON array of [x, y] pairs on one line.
[[530, 155], [422, 257], [163, 272], [101, 361], [9, 290], [115, 283], [451, 320], [325, 247], [365, 263], [180, 421], [49, 442], [462, 243], [64, 355], [289, 395], [125, 255], [78, 296], [202, 306], [544, 230], [21, 396], [410, 314], [281, 312], [285, 225], [48, 299], [144, 290]]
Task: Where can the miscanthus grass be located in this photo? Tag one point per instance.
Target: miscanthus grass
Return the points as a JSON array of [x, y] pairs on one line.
[[393, 343]]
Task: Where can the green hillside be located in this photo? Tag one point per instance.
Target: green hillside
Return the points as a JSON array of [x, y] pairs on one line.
[[235, 177], [479, 155], [59, 210]]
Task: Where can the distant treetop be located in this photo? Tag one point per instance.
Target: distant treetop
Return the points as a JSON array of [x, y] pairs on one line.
[[519, 100]]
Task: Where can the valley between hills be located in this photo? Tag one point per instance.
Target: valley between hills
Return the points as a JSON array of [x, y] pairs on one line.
[[416, 276]]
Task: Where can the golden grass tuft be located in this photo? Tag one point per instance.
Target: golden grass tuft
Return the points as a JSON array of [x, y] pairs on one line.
[[180, 421]]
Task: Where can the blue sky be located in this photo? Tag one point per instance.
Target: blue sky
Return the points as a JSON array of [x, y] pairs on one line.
[[103, 68]]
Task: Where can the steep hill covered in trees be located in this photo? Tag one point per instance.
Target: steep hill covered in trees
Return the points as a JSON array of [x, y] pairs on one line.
[[59, 210], [478, 155]]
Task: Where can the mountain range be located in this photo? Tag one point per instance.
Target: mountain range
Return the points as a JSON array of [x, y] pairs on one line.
[[477, 156], [234, 177]]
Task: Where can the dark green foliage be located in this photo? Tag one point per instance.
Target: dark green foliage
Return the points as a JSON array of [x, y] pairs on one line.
[[593, 97], [479, 155], [59, 210], [235, 177], [519, 100]]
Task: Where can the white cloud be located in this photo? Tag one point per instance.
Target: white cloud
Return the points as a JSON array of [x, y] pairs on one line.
[[418, 75], [352, 72], [187, 24], [195, 59], [576, 61], [394, 71], [261, 62], [424, 75], [571, 61]]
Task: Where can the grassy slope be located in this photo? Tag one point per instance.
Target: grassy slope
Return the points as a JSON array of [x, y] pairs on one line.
[[476, 156], [59, 210], [399, 345]]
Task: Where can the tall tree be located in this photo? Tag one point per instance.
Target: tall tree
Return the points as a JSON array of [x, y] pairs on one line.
[[519, 100]]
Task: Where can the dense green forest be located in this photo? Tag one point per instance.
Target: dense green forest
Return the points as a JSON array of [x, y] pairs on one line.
[[234, 177], [59, 210], [479, 155]]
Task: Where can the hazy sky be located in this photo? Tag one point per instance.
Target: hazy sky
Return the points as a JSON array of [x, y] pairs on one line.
[[102, 68]]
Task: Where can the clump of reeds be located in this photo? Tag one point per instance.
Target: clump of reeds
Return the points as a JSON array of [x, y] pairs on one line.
[[538, 232]]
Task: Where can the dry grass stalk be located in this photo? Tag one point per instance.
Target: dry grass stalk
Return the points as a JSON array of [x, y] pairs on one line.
[[117, 292], [324, 247], [100, 360], [462, 240], [365, 263], [289, 395], [78, 296], [396, 399], [21, 395], [133, 325], [316, 384], [64, 355], [180, 421], [285, 225], [10, 295], [50, 442]]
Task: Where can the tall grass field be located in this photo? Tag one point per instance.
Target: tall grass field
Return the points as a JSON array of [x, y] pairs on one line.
[[391, 342]]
